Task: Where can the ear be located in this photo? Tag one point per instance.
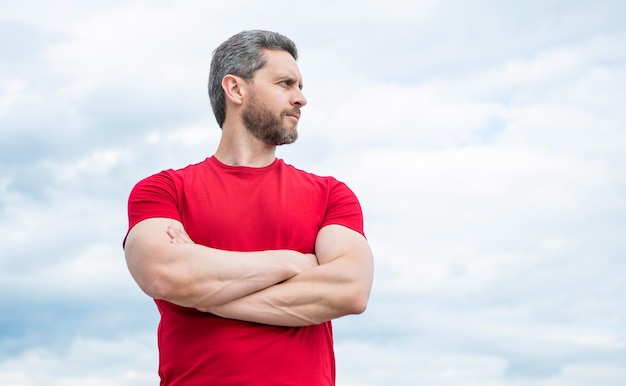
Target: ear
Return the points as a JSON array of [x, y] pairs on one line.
[[234, 88]]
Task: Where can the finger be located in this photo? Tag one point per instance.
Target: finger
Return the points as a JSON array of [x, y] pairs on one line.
[[179, 235], [172, 232]]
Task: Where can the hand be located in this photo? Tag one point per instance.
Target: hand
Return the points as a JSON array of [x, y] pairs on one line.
[[178, 235], [301, 261], [312, 260]]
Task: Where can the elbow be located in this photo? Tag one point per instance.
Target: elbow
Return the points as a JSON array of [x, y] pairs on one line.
[[163, 283], [154, 282], [155, 285], [360, 293], [358, 300], [360, 305], [159, 285]]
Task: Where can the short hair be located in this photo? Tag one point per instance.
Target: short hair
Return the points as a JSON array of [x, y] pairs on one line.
[[242, 55]]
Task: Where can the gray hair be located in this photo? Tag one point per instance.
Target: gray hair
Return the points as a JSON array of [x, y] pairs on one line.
[[242, 55]]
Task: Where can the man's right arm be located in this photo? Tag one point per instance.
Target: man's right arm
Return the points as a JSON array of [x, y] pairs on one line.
[[192, 275]]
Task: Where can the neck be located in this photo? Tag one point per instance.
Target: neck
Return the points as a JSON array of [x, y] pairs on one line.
[[238, 147]]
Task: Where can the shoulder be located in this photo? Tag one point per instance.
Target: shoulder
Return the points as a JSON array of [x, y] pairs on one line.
[[337, 193], [174, 175], [326, 180]]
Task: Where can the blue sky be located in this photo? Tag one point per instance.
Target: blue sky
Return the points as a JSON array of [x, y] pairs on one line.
[[485, 140]]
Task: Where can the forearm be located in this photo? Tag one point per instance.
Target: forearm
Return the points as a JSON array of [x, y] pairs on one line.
[[197, 276], [192, 275], [326, 292]]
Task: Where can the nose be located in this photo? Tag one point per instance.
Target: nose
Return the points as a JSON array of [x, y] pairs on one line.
[[299, 99]]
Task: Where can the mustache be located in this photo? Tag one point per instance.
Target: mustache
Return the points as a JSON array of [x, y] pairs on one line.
[[293, 111]]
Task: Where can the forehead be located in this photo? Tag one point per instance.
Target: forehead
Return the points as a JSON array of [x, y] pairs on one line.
[[279, 63]]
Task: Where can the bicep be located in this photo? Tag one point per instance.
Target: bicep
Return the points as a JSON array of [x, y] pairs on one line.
[[146, 240], [335, 241]]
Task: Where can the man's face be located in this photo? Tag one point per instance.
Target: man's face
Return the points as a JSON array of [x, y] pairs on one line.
[[268, 126], [273, 103]]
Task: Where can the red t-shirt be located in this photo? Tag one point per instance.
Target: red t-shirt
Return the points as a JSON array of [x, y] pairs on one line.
[[244, 209]]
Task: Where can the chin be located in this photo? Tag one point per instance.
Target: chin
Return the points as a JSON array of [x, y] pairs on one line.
[[287, 139]]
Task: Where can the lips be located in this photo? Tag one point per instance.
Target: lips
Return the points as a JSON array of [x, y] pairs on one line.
[[294, 113]]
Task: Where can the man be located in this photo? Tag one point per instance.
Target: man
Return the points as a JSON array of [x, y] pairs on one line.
[[248, 258]]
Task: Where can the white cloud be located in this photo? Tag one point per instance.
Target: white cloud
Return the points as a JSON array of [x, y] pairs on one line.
[[84, 361], [400, 364], [12, 91], [485, 143]]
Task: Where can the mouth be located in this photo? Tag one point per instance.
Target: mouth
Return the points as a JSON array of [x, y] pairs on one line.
[[294, 114]]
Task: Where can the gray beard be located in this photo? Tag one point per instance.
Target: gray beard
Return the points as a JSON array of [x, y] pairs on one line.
[[267, 127]]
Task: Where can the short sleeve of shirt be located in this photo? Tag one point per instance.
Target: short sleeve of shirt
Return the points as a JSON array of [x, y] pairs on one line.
[[343, 208], [154, 196]]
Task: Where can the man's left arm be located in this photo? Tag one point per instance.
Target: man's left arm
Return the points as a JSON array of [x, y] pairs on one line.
[[340, 285]]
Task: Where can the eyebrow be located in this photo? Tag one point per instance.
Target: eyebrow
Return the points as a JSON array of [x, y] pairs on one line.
[[290, 79]]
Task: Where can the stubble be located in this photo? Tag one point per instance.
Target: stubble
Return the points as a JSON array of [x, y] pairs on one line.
[[267, 126]]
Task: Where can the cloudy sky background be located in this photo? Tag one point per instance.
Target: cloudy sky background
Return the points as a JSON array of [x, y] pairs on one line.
[[485, 139]]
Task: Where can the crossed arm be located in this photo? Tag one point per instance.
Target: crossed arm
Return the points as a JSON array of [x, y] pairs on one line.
[[278, 287]]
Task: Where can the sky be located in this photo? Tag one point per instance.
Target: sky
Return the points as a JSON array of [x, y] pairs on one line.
[[485, 140]]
